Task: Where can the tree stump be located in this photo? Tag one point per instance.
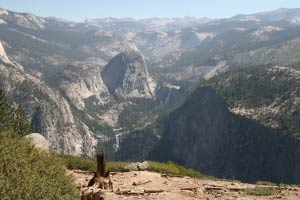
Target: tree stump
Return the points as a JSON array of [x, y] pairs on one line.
[[101, 176], [100, 181]]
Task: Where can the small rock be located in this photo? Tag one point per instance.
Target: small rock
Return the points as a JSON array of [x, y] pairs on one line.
[[143, 166], [136, 166]]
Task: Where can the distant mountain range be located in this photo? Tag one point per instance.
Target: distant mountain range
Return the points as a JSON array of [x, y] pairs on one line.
[[291, 16], [127, 26]]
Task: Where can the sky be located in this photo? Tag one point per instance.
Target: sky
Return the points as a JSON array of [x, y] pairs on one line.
[[78, 10]]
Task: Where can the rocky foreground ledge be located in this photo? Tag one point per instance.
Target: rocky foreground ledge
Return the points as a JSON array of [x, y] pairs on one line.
[[151, 185]]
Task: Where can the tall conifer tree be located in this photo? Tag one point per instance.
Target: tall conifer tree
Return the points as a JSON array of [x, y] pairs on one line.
[[21, 125], [6, 114]]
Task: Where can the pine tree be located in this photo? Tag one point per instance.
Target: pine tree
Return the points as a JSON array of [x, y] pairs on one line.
[[6, 114], [21, 125]]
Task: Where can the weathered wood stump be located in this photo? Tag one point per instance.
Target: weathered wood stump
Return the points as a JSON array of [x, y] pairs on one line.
[[101, 176], [100, 181]]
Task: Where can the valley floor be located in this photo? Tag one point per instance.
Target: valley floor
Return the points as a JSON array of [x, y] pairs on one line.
[[169, 188]]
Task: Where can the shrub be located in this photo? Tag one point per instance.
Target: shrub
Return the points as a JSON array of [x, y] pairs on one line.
[[265, 183], [174, 169], [76, 162], [171, 168], [28, 174], [116, 166], [165, 168], [260, 191], [88, 164]]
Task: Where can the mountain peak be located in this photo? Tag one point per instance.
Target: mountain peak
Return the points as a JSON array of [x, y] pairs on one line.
[[127, 75]]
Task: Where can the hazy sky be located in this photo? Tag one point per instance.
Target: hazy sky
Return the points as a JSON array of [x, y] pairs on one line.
[[82, 9]]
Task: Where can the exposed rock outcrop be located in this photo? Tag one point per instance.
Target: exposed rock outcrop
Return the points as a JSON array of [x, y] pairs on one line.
[[168, 94], [82, 82], [126, 75], [3, 55], [136, 166]]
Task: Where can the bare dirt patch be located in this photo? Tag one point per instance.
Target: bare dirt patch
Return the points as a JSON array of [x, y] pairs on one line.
[[151, 185]]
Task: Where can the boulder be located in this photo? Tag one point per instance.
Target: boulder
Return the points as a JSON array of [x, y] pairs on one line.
[[137, 166], [38, 141]]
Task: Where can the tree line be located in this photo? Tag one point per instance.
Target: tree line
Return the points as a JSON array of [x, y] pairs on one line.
[[13, 117]]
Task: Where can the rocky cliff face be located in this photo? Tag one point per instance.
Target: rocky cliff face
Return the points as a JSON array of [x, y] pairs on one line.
[[203, 134], [81, 82], [50, 113], [3, 55], [126, 75]]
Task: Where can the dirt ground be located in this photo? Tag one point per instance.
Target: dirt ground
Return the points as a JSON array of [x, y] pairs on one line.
[[151, 185]]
